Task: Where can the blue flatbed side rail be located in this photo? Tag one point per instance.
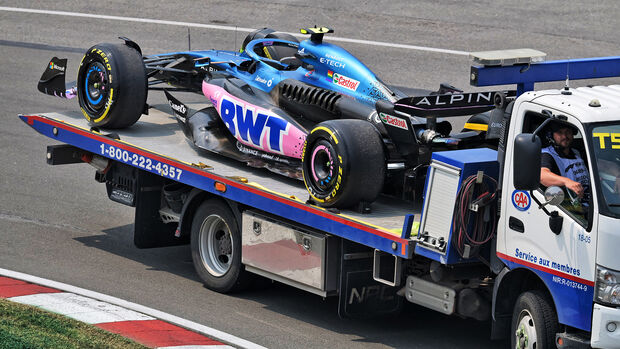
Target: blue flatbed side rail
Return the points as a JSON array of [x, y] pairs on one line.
[[246, 194], [525, 76]]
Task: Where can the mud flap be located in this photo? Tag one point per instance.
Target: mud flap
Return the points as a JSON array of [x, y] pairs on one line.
[[360, 296], [149, 230]]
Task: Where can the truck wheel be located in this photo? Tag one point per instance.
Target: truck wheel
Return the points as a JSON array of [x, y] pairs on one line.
[[343, 163], [216, 248], [112, 85], [534, 322]]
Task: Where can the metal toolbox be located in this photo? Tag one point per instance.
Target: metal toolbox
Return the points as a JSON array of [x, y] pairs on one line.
[[285, 253], [446, 173]]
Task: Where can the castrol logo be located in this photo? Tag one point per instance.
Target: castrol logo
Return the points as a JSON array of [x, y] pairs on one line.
[[393, 121], [346, 82]]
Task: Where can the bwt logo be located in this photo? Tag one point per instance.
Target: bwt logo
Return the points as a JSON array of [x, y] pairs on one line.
[[248, 125], [346, 82]]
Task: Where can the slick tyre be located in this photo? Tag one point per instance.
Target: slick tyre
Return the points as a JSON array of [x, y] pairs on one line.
[[534, 322], [343, 163], [112, 85], [216, 248]]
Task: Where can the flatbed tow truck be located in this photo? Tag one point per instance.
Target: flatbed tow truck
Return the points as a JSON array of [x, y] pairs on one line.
[[547, 274]]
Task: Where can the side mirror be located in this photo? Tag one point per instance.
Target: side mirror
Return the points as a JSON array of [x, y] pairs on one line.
[[527, 161], [554, 195]]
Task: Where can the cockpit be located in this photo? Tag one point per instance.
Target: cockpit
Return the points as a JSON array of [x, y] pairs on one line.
[[278, 50]]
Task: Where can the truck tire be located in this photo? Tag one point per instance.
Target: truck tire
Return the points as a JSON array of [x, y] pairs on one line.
[[534, 322], [343, 163], [216, 247], [112, 85]]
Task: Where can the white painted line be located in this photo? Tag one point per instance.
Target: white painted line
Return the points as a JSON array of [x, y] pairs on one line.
[[228, 28], [81, 308], [190, 325], [99, 317], [40, 299], [393, 45]]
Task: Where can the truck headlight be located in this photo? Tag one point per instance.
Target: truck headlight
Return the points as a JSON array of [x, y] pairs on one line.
[[607, 286]]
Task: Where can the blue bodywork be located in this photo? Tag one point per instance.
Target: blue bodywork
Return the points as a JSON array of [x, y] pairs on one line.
[[324, 65]]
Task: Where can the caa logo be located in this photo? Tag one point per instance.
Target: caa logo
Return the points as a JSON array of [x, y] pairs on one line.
[[250, 126], [521, 200]]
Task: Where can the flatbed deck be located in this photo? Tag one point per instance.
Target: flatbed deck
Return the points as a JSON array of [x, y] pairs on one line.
[[156, 144]]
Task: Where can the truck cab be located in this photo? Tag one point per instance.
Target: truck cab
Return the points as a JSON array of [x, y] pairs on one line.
[[562, 257]]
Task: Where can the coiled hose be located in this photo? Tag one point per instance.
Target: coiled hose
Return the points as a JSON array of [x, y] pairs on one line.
[[474, 221]]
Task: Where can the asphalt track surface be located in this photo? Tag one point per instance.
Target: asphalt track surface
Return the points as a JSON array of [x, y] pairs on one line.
[[58, 224]]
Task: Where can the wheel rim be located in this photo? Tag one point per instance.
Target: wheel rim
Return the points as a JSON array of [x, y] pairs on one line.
[[96, 86], [216, 245], [526, 331], [322, 167]]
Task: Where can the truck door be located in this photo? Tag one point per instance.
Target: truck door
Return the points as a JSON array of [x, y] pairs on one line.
[[564, 262]]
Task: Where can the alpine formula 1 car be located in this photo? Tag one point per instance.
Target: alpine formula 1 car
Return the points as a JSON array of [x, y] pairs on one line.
[[305, 109]]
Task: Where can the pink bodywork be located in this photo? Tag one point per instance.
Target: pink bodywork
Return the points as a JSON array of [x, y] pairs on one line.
[[291, 138]]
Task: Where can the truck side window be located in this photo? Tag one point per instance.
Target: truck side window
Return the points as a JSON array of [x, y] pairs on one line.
[[564, 155], [577, 207]]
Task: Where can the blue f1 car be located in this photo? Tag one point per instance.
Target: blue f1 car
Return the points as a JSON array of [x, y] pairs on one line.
[[305, 109]]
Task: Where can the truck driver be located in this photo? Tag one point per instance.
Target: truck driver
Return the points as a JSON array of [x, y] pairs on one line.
[[561, 164]]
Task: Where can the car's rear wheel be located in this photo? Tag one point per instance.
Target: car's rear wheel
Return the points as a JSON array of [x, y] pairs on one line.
[[343, 163], [112, 85]]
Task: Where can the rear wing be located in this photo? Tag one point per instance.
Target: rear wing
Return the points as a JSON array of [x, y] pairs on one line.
[[452, 104]]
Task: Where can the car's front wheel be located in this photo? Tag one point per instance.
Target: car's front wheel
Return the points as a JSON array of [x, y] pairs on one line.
[[112, 85]]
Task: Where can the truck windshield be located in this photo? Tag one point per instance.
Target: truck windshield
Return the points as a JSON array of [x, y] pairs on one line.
[[605, 142]]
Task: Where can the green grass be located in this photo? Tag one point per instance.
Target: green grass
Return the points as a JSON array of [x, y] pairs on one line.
[[23, 326]]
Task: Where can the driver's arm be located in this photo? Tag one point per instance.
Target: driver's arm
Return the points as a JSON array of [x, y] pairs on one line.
[[548, 178]]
